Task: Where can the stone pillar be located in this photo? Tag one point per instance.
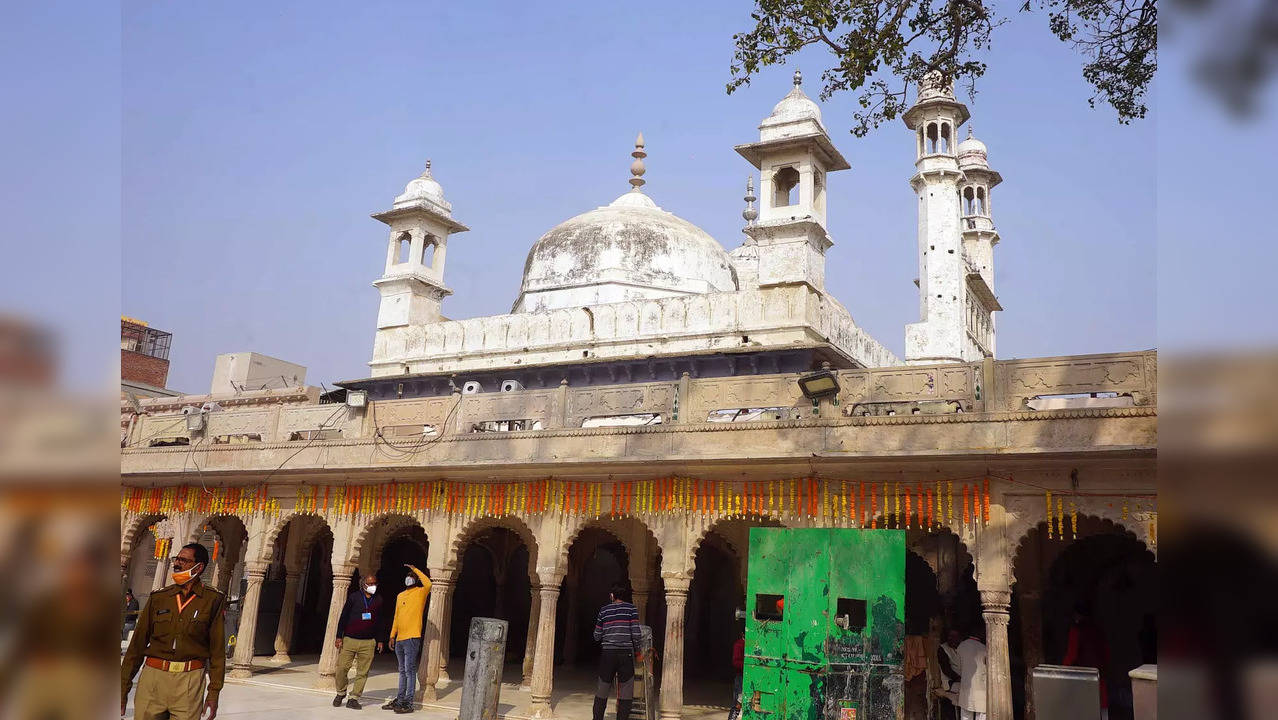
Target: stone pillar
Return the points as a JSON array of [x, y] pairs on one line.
[[530, 645], [641, 603], [328, 653], [570, 619], [242, 664], [994, 607], [284, 632], [672, 669], [544, 657], [446, 636], [441, 591], [161, 574]]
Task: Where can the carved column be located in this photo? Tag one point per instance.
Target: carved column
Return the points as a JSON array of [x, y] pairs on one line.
[[161, 574], [672, 669], [994, 607], [639, 592], [328, 653], [284, 631], [530, 644], [441, 595], [570, 619], [544, 657], [242, 664], [446, 636]]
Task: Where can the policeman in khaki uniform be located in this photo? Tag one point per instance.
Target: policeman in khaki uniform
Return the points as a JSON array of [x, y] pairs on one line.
[[180, 635]]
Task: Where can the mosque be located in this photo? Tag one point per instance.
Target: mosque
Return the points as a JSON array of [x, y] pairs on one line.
[[650, 397]]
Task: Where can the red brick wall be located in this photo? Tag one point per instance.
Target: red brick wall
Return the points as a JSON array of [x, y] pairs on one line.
[[136, 367]]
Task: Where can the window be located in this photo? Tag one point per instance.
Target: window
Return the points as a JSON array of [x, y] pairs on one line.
[[969, 201], [849, 614], [405, 247], [932, 137], [980, 201], [769, 607], [428, 250], [784, 181], [945, 137]]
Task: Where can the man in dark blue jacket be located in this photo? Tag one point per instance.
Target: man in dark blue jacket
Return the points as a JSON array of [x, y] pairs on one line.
[[359, 632], [617, 629]]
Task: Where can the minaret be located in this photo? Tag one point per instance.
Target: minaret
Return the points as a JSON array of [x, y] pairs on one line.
[[941, 334], [412, 286], [793, 154], [979, 239]]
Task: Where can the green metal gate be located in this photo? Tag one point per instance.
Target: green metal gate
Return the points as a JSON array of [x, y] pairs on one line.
[[825, 624]]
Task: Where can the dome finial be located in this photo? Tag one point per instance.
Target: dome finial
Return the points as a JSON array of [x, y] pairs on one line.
[[636, 167], [969, 131], [798, 77], [428, 166], [750, 214]]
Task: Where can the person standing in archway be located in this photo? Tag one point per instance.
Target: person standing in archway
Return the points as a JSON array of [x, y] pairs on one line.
[[617, 630], [1087, 648], [972, 673], [406, 637]]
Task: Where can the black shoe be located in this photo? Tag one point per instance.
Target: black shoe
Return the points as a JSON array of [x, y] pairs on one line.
[[337, 701], [391, 704], [353, 704], [403, 708]]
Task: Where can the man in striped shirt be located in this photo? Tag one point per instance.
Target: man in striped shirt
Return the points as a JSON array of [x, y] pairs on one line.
[[617, 629]]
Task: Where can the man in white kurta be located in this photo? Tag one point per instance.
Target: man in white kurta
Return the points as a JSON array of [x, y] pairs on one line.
[[971, 656]]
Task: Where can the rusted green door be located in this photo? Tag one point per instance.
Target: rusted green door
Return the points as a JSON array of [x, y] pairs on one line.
[[825, 627]]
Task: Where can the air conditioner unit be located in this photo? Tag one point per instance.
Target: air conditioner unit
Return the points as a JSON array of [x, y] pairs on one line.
[[472, 387], [194, 418], [511, 386]]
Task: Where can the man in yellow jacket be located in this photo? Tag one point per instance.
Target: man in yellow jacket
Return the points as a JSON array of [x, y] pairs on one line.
[[406, 636]]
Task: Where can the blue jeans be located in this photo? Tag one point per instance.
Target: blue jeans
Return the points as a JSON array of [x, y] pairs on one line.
[[407, 653]]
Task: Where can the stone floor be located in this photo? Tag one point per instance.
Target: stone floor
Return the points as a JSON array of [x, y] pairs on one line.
[[571, 698]]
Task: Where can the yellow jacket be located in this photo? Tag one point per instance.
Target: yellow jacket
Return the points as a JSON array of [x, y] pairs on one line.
[[408, 609]]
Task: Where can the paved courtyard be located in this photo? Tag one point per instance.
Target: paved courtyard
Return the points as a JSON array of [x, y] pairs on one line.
[[288, 691]]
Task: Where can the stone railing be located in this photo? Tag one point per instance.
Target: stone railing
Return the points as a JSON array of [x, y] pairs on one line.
[[770, 317], [989, 386]]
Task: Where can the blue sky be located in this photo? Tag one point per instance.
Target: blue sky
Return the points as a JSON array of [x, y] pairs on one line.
[[251, 146]]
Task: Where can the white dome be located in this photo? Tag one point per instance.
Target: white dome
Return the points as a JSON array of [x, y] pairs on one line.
[[796, 105], [630, 249], [423, 188], [972, 153]]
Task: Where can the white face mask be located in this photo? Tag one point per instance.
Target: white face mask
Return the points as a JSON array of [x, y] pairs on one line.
[[370, 589], [408, 581]]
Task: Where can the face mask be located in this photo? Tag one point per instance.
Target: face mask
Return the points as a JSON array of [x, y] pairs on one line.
[[408, 581], [370, 589], [182, 577]]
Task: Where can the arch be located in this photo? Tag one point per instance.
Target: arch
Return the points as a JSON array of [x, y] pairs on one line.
[[430, 244], [479, 525], [947, 145], [981, 207], [403, 247], [134, 528], [614, 526], [715, 527], [933, 136], [969, 201], [784, 182], [213, 522], [389, 521], [1090, 526]]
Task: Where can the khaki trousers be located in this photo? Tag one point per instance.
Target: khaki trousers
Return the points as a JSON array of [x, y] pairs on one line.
[[179, 696], [359, 652]]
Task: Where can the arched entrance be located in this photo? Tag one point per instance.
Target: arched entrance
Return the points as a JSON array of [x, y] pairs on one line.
[[141, 565], [1106, 577], [493, 582], [296, 589], [716, 593], [597, 560]]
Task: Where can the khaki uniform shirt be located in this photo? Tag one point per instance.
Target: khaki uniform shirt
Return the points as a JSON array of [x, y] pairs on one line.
[[198, 632]]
